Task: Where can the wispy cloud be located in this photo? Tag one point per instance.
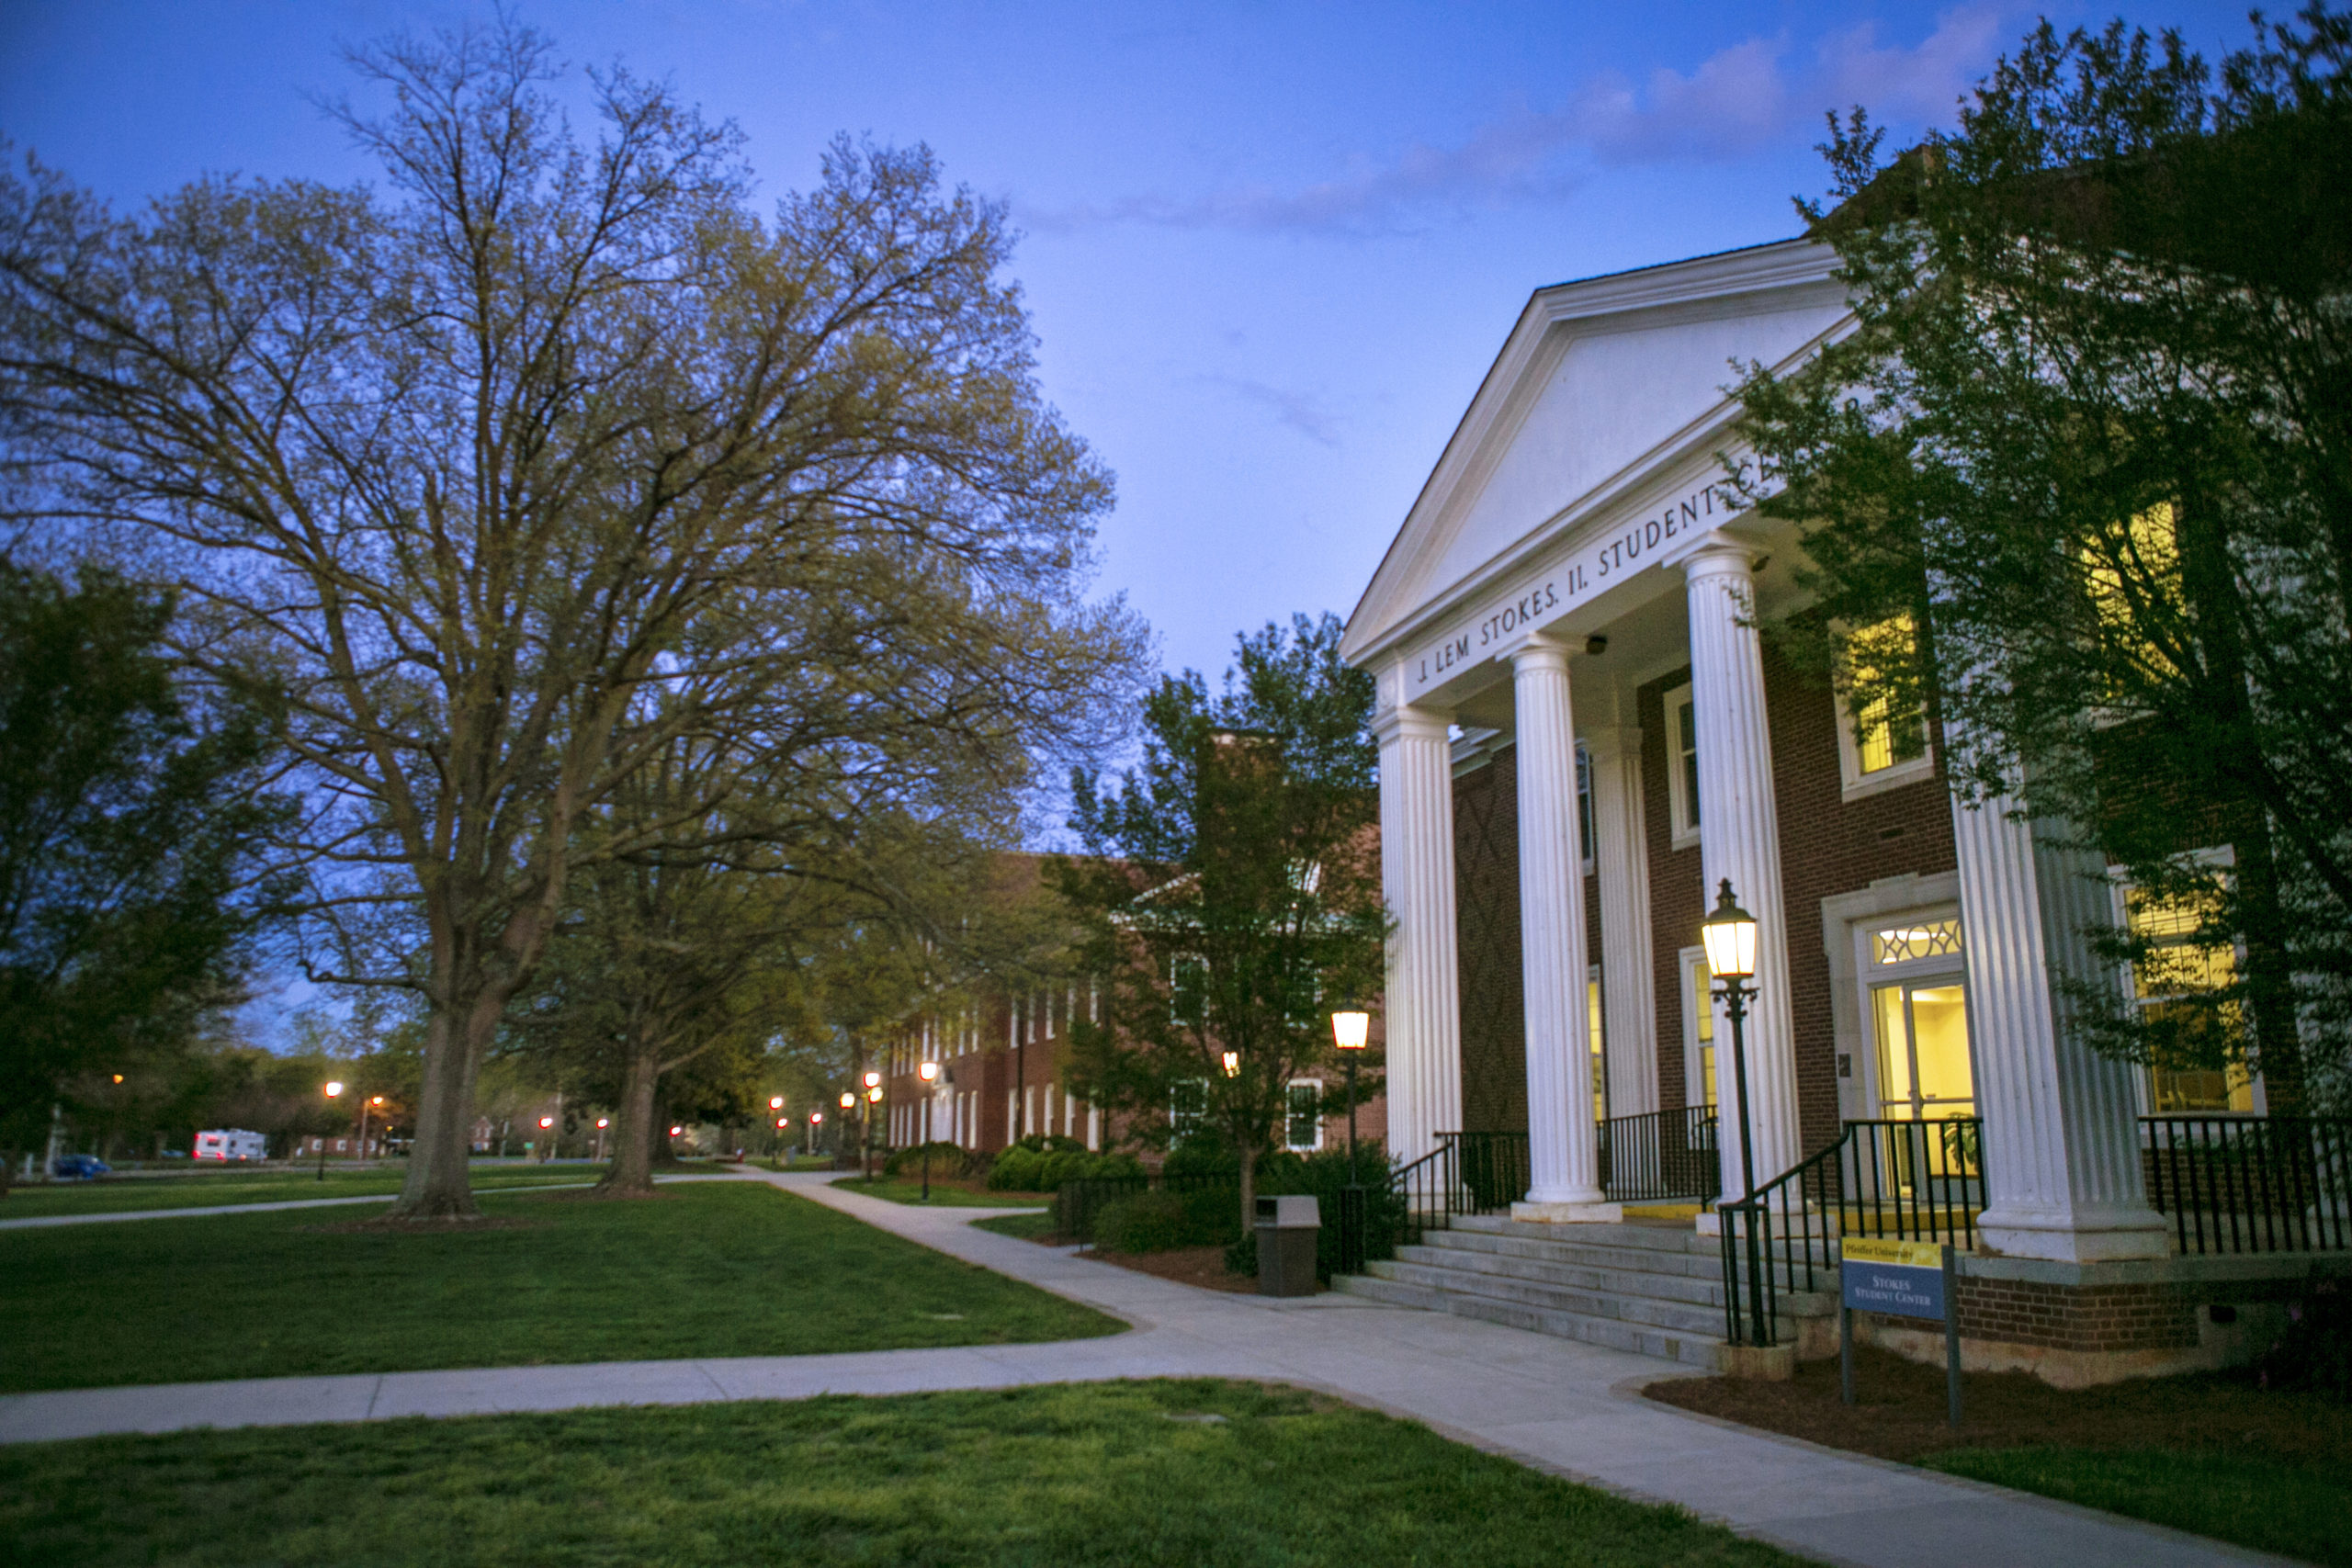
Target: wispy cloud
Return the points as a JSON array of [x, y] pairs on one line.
[[1751, 94], [1292, 411]]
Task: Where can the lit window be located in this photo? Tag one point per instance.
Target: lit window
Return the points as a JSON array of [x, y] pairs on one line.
[[2133, 576], [1702, 1014], [1592, 1032], [1882, 737], [2175, 967], [1915, 939]]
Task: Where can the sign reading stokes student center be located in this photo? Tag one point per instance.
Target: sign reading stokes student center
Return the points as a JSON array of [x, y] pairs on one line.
[[1545, 598]]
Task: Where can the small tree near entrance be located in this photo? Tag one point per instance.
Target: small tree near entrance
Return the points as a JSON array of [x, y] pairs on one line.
[[1231, 897]]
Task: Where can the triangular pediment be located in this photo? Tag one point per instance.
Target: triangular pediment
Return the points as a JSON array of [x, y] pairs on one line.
[[1600, 382]]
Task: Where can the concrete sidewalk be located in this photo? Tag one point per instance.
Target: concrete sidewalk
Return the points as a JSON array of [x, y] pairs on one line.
[[1561, 1406]]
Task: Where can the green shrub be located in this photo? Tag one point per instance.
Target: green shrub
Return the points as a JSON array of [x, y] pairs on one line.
[[946, 1159], [1147, 1221], [1017, 1170]]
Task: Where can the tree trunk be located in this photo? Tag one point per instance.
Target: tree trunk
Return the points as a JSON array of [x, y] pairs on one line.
[[1249, 1158], [631, 1175], [438, 1184], [2270, 986]]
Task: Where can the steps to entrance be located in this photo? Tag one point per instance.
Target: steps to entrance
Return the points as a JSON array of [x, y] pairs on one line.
[[1656, 1289]]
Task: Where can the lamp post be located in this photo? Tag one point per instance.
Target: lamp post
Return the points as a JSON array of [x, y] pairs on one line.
[[364, 1106], [929, 1073], [334, 1087], [546, 1144], [815, 1120], [873, 1109], [1730, 937], [602, 1123], [775, 1108], [1351, 1030]]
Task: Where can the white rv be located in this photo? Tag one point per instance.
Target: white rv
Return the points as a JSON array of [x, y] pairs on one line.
[[231, 1144]]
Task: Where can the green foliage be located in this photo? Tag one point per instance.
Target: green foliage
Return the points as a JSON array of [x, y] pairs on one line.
[[135, 819], [2088, 436], [1043, 1165], [946, 1159], [1157, 1221], [2315, 1352], [760, 1273], [1086, 1476], [1232, 896]]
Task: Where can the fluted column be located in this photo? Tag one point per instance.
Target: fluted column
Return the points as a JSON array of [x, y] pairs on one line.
[[1422, 1006], [1739, 839], [2062, 1147], [1620, 866], [1564, 1173]]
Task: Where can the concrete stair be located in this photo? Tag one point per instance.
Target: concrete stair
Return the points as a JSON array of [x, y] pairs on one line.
[[1656, 1290]]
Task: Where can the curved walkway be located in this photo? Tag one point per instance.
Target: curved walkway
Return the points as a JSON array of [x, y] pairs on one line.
[[1558, 1405]]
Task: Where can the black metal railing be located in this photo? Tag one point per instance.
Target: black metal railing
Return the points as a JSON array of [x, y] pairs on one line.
[[1077, 1203], [2251, 1183], [1661, 1155], [1909, 1181], [1468, 1173]]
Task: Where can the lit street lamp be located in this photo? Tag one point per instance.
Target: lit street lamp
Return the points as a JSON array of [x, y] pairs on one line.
[[776, 1105], [1730, 936], [929, 1073], [815, 1120], [873, 1109], [1351, 1030], [546, 1144], [334, 1087], [1233, 1064], [364, 1106], [602, 1123]]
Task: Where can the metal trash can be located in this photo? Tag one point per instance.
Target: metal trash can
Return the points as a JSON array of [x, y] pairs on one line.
[[1287, 1230]]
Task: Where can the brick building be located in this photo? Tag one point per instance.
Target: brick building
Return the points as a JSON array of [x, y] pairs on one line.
[[1584, 735]]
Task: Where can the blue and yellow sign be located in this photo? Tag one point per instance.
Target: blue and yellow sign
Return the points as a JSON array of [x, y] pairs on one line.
[[1904, 1278]]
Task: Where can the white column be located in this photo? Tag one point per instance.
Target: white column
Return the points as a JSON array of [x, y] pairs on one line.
[[1739, 840], [1621, 852], [2062, 1143], [1423, 1003], [1562, 1169]]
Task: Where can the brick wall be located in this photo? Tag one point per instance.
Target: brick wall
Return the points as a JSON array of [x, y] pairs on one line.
[[1485, 883], [2153, 1316], [1676, 888]]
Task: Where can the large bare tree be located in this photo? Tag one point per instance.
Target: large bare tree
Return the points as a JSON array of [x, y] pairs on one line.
[[474, 467]]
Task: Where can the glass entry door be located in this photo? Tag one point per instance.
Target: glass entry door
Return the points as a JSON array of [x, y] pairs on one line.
[[1923, 1068]]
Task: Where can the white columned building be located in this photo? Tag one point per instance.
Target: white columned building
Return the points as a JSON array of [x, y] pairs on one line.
[[1621, 870], [1739, 836], [2062, 1150], [1563, 1164], [1420, 1006]]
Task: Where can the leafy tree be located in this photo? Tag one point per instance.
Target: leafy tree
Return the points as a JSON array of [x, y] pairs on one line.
[[2088, 456], [469, 463], [1231, 896], [135, 825]]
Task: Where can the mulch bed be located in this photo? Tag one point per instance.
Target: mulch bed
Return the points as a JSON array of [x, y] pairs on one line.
[[1899, 1412], [1201, 1266]]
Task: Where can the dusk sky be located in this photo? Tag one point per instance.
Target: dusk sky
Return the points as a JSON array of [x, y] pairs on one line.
[[1271, 249]]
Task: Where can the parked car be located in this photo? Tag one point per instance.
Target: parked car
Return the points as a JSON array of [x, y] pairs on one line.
[[79, 1168]]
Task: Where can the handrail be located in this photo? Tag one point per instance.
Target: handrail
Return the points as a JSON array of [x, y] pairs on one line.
[[1913, 1180], [2251, 1183], [1661, 1155]]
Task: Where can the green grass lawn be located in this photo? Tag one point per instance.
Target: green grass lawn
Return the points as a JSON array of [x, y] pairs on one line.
[[2269, 1505], [1073, 1477], [195, 1190], [707, 1269], [1038, 1222], [902, 1189]]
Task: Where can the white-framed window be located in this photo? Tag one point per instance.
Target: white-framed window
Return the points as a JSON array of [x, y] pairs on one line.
[[1598, 1040], [1303, 1123], [1187, 990], [1879, 748], [1698, 1028], [1682, 767], [2179, 966], [1584, 807], [1919, 1063], [1188, 1102]]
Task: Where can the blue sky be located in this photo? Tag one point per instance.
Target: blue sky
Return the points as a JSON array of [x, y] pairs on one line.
[[1271, 248]]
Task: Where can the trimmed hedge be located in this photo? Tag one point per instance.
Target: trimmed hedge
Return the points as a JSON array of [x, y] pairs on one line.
[[1157, 1221], [1021, 1169]]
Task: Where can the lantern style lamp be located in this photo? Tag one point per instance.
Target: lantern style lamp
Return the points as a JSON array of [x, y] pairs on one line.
[[1350, 1032], [334, 1087], [1730, 937], [1233, 1064], [929, 1073]]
